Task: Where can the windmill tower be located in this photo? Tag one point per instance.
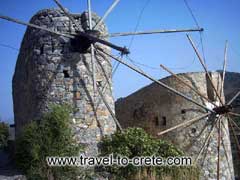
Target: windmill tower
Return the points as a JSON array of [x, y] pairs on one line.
[[52, 69], [65, 58], [157, 111]]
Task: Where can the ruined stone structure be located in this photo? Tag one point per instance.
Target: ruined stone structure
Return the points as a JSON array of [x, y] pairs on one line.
[[156, 109], [51, 69], [231, 87]]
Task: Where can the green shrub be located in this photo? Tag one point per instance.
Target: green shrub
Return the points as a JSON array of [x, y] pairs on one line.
[[136, 142], [3, 134], [51, 136]]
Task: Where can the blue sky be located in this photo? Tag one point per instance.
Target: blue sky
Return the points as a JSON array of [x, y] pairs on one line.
[[220, 19]]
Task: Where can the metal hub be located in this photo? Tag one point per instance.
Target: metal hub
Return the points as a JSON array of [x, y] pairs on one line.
[[82, 43], [223, 109], [94, 33]]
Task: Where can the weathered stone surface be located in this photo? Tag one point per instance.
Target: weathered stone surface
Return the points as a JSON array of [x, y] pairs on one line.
[[51, 70], [15, 177], [156, 109], [231, 87]]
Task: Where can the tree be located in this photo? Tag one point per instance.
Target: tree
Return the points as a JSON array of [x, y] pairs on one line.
[[136, 142], [51, 136], [3, 134]]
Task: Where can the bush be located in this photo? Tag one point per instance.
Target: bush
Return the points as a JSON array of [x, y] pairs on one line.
[[51, 136], [136, 142], [3, 134]]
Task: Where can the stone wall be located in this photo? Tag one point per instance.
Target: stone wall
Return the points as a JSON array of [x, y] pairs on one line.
[[231, 87], [156, 109], [51, 69]]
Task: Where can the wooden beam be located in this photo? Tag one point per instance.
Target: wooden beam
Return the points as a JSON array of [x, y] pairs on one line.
[[182, 81], [184, 124], [234, 98], [155, 32], [123, 50], [35, 26], [225, 150], [218, 149], [204, 67], [109, 10], [109, 109], [235, 124], [234, 134], [234, 114], [156, 81], [99, 90], [92, 38], [77, 26], [205, 142], [89, 14], [92, 49], [224, 68]]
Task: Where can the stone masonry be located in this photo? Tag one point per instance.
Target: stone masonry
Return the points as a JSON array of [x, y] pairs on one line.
[[53, 69], [156, 109], [231, 87]]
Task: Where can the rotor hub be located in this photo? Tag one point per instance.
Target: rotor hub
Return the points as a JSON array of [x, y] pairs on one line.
[[222, 109], [94, 33], [82, 43]]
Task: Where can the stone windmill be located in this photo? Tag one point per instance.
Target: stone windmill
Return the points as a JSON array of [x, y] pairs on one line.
[[65, 58]]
